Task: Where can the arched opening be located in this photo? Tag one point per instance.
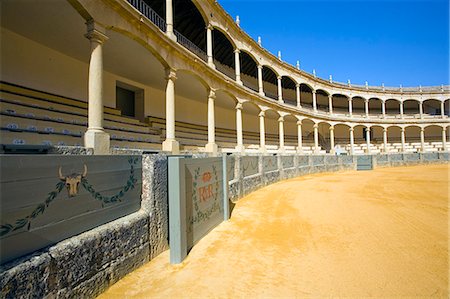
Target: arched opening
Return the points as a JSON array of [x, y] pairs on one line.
[[305, 96], [394, 139], [250, 126], [324, 136], [191, 111], [189, 24], [270, 83], [340, 104], [412, 139], [249, 71], [288, 91], [447, 107], [359, 135], [433, 137], [342, 138], [290, 133], [308, 136], [392, 107], [272, 136], [432, 107], [376, 133], [223, 54], [411, 108], [225, 118], [358, 106], [322, 100], [375, 108]]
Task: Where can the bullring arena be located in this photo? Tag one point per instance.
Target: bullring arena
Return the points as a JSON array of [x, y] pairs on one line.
[[153, 149]]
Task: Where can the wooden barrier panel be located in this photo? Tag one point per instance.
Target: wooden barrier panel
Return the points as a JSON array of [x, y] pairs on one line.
[[198, 201], [48, 198]]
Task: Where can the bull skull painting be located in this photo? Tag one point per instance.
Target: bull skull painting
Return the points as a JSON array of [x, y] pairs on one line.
[[72, 181]]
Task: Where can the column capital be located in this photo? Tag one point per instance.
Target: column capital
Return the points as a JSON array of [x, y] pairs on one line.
[[212, 94], [350, 99], [238, 106], [262, 114], [209, 27], [299, 123], [281, 119], [402, 130], [331, 128], [171, 74], [330, 96], [313, 91], [297, 85], [422, 129], [279, 77], [96, 32], [316, 126], [259, 66], [385, 129], [366, 100], [444, 129], [351, 129], [236, 51]]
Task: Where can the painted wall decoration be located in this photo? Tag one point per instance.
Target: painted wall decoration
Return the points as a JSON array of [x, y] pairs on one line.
[[47, 198], [250, 165]]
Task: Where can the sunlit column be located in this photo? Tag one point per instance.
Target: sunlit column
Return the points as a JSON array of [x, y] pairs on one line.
[[422, 140], [442, 109], [421, 109], [352, 142], [237, 65], [170, 144], [211, 146], [368, 139], [316, 139], [444, 141], [299, 137], [280, 90], [385, 140], [314, 99], [350, 106], [332, 140], [95, 137], [366, 107], [260, 80], [330, 103], [169, 20], [281, 133], [383, 108], [262, 132], [401, 109], [297, 92], [209, 45], [402, 136], [240, 140]]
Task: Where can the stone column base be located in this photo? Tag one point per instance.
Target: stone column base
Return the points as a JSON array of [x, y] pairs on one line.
[[98, 140], [171, 145], [299, 150], [281, 150], [263, 150], [211, 148]]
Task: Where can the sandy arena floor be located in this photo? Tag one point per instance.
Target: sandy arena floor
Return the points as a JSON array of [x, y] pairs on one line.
[[379, 234]]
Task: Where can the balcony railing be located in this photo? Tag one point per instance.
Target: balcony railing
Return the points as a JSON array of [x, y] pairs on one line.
[[147, 11], [181, 39], [225, 69]]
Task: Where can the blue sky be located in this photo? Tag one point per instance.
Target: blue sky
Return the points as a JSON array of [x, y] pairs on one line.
[[387, 41]]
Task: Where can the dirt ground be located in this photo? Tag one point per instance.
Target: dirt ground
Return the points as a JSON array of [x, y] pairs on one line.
[[378, 234]]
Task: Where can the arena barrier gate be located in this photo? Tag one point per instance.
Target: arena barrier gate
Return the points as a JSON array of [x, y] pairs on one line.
[[48, 198]]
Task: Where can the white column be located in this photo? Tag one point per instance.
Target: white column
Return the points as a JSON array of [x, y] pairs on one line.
[[281, 133], [95, 137], [421, 109], [260, 80], [240, 142], [368, 139], [262, 132], [170, 144], [444, 141], [383, 108], [316, 139], [401, 109], [211, 146], [366, 107], [422, 140], [330, 104], [209, 45], [280, 90], [314, 100], [332, 140], [169, 20], [350, 107], [442, 109], [385, 140], [237, 64], [402, 136], [352, 142], [299, 137], [297, 92]]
